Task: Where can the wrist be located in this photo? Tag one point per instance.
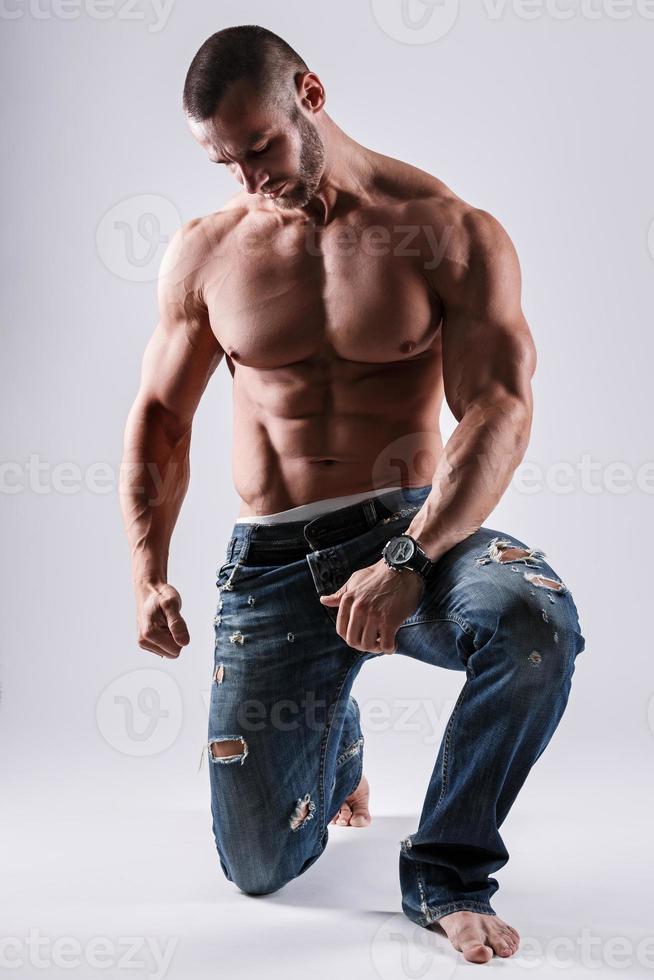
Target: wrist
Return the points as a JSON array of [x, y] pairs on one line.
[[433, 548], [149, 583], [395, 573]]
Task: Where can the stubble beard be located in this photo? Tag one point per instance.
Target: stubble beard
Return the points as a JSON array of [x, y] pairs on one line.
[[312, 163]]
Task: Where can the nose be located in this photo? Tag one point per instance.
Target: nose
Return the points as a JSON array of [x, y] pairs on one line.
[[252, 180]]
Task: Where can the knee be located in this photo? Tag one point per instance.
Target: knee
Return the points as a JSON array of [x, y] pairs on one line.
[[533, 643], [258, 867], [546, 661], [259, 883], [526, 597], [263, 877], [252, 874], [553, 638]]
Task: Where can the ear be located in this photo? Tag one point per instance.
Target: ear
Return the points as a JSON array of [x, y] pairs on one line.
[[310, 90]]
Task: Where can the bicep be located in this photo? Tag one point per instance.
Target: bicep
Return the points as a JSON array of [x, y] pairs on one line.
[[486, 359], [488, 350], [182, 353]]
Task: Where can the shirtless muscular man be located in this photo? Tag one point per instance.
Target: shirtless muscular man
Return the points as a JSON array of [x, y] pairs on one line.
[[349, 293]]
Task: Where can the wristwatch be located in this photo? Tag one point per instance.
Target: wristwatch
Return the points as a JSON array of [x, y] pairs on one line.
[[403, 552]]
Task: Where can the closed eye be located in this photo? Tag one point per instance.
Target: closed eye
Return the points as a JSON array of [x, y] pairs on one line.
[[259, 152], [253, 153]]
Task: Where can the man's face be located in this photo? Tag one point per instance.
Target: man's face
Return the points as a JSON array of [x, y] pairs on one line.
[[265, 149]]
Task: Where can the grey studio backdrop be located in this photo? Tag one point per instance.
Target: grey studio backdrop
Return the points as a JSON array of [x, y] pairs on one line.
[[540, 115]]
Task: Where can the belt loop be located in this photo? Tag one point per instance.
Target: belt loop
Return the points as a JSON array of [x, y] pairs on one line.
[[370, 512], [307, 532], [242, 552]]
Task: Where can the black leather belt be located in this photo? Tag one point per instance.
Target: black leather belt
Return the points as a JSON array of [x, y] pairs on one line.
[[290, 540]]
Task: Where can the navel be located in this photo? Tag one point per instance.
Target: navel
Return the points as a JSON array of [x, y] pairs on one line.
[[407, 346]]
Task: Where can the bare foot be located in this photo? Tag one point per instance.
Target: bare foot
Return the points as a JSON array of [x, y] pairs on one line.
[[354, 811], [478, 936]]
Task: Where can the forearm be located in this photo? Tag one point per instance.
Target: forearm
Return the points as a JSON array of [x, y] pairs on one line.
[[154, 480], [472, 473]]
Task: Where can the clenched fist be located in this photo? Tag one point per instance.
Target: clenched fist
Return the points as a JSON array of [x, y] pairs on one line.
[[160, 625]]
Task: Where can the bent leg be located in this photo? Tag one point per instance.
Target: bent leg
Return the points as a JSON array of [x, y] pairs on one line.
[[510, 622], [284, 742]]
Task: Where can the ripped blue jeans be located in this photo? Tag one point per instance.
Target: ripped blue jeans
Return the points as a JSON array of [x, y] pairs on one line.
[[281, 703]]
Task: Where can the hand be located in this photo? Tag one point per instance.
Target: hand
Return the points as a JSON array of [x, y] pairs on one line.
[[161, 628], [373, 604]]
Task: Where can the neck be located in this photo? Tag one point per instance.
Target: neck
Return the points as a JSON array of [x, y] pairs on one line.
[[346, 175]]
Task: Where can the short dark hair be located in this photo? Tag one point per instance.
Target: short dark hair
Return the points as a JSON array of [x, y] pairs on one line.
[[247, 52]]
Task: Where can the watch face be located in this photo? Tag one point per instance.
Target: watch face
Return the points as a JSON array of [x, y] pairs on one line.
[[400, 549]]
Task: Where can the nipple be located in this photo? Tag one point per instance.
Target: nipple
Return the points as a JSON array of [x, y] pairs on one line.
[[407, 346]]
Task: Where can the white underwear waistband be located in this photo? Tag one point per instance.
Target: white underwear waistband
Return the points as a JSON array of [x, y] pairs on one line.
[[305, 512]]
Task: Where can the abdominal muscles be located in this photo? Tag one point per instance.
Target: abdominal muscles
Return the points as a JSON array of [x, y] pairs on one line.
[[327, 427]]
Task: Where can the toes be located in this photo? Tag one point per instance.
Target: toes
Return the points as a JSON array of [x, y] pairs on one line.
[[360, 817], [501, 930], [476, 952], [356, 815], [510, 936], [470, 938], [343, 816], [479, 937], [506, 927], [504, 945]]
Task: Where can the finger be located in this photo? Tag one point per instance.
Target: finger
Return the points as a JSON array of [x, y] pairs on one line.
[[161, 637], [170, 603], [387, 643], [336, 595], [178, 629], [152, 648], [369, 636], [356, 624], [343, 616]]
